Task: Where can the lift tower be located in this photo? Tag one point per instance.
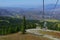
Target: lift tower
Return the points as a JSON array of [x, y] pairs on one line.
[[43, 16]]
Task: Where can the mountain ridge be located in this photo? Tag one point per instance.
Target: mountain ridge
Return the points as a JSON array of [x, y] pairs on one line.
[[32, 13]]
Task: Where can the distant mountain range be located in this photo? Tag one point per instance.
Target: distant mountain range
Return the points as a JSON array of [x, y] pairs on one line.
[[32, 13]]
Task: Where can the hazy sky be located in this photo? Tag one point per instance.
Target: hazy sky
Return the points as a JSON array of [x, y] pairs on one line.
[[24, 3]]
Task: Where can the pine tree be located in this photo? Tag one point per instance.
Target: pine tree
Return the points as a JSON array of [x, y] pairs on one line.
[[24, 25]]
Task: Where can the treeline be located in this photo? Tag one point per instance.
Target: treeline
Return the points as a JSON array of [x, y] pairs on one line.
[[10, 25], [50, 25]]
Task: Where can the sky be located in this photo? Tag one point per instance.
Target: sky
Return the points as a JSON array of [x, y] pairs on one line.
[[25, 3]]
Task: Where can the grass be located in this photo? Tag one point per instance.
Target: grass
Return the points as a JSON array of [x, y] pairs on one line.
[[51, 20], [59, 25], [4, 20], [19, 36], [54, 34]]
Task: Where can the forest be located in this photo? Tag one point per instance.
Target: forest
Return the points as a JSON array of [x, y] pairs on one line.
[[10, 25]]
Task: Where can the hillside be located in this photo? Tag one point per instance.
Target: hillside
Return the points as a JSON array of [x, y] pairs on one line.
[[32, 13]]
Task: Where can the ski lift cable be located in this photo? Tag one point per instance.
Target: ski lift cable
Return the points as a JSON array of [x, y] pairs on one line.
[[53, 11], [55, 6]]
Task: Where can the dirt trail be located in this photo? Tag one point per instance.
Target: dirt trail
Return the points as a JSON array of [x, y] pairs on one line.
[[19, 36], [35, 32]]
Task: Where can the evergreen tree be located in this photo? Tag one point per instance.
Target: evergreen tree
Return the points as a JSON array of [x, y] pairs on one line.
[[24, 25]]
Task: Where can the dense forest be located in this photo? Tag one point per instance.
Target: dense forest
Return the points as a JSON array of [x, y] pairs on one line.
[[10, 25]]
